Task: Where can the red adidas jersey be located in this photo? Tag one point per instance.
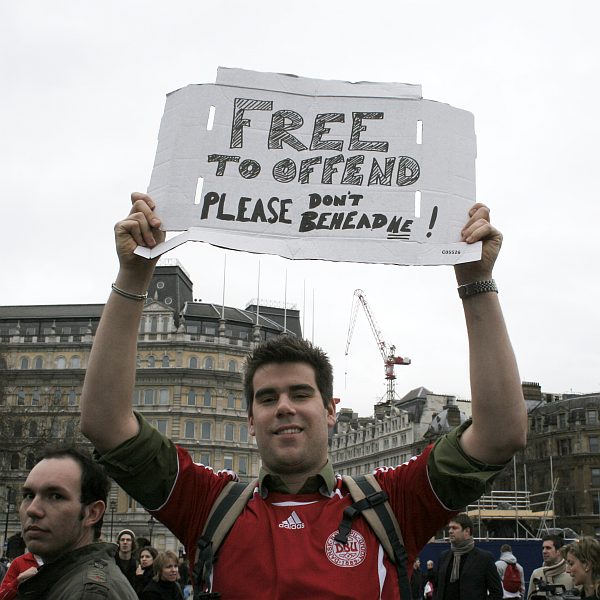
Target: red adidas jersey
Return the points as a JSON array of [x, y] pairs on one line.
[[283, 547]]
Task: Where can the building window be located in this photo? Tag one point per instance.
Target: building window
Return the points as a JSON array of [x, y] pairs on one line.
[[148, 397], [562, 420], [206, 430], [563, 446], [207, 398], [596, 477], [591, 416], [243, 464], [230, 400], [24, 363], [164, 397], [161, 425], [57, 396], [228, 463], [165, 362], [18, 429], [191, 398], [70, 430], [594, 446], [208, 363], [72, 398], [33, 429], [55, 429], [205, 459], [228, 432], [189, 430], [61, 362], [75, 362], [232, 366], [39, 363], [151, 362], [21, 398], [193, 362], [14, 462], [243, 433], [30, 461], [244, 403]]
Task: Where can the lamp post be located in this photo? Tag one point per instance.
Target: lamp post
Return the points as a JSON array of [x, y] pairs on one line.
[[113, 507], [10, 499], [151, 522]]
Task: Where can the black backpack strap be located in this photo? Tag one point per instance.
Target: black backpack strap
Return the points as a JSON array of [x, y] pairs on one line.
[[227, 508], [372, 502]]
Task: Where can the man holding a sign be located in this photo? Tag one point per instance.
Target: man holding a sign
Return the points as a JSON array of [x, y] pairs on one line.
[[283, 544]]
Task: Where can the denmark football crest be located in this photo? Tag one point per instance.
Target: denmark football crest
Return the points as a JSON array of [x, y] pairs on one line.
[[350, 554]]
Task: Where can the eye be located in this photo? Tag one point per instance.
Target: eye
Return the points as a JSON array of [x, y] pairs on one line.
[[56, 496]]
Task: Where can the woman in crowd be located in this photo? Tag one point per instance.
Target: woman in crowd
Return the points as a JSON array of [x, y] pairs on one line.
[[583, 564], [164, 584], [145, 569]]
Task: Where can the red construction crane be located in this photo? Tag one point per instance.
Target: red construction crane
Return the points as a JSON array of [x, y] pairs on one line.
[[390, 360]]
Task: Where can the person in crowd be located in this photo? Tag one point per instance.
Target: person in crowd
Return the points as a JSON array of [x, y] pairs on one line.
[[21, 569], [508, 558], [164, 585], [64, 500], [288, 384], [416, 580], [145, 568], [554, 569], [466, 572], [124, 555], [583, 565], [430, 581]]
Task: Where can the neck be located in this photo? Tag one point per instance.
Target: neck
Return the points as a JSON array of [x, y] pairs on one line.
[[124, 555]]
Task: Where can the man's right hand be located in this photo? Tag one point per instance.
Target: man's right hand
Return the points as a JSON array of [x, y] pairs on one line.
[[141, 227]]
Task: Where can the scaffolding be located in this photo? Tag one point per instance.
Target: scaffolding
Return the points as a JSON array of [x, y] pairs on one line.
[[521, 506]]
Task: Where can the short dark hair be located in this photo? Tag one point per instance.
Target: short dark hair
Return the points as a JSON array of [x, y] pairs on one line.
[[557, 540], [505, 548], [464, 520], [95, 484], [290, 349]]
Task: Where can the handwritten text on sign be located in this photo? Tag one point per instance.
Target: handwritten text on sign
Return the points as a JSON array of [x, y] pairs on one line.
[[315, 169]]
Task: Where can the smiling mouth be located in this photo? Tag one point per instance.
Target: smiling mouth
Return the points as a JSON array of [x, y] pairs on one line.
[[288, 431]]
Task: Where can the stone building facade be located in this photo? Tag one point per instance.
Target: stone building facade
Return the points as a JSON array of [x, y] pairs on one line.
[[188, 384]]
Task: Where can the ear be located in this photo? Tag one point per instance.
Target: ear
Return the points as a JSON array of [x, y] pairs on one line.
[[251, 425], [331, 413], [94, 511]]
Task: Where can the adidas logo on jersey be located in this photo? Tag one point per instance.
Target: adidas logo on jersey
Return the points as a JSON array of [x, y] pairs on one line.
[[292, 522]]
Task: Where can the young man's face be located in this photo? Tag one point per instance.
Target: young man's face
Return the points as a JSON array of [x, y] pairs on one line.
[[550, 553], [289, 420], [53, 518], [125, 544], [456, 533]]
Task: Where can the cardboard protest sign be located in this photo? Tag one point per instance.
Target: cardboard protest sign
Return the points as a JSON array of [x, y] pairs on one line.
[[313, 169]]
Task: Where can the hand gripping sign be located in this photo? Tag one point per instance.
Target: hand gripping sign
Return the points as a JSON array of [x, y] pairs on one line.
[[315, 169]]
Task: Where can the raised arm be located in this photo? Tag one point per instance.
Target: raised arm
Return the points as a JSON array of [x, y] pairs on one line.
[[107, 417], [499, 414]]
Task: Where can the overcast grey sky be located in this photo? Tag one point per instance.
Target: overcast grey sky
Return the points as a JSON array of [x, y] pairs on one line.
[[83, 90]]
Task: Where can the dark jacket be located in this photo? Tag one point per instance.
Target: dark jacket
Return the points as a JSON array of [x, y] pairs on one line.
[[162, 590], [141, 581], [478, 576], [88, 573]]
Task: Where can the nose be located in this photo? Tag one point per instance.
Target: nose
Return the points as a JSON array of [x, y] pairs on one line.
[[34, 508], [285, 406]]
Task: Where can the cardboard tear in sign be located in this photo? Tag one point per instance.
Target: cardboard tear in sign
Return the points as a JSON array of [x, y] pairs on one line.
[[315, 169]]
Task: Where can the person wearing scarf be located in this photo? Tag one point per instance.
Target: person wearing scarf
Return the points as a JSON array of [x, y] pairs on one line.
[[554, 569], [465, 571]]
